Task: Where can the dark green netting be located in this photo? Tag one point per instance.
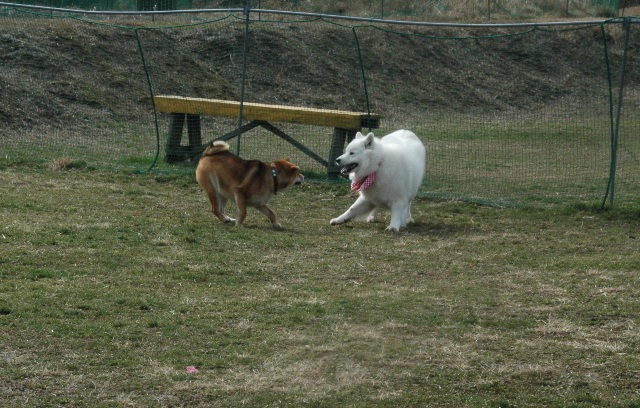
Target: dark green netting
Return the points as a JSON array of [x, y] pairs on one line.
[[533, 114]]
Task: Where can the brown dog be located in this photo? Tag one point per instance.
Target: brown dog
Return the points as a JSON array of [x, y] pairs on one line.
[[250, 183]]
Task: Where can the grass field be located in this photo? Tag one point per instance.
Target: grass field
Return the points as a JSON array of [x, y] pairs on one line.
[[119, 289], [112, 284]]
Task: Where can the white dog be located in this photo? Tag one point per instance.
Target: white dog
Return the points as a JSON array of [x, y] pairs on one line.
[[386, 173]]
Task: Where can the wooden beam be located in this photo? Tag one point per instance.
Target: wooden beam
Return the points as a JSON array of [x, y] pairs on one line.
[[295, 143], [269, 113]]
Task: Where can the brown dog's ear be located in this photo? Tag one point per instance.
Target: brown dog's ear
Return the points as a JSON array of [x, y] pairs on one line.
[[286, 159]]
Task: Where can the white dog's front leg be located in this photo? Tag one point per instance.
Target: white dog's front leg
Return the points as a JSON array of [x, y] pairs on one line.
[[361, 206]]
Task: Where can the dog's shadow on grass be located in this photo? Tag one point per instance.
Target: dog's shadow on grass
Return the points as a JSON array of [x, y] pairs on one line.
[[418, 228]]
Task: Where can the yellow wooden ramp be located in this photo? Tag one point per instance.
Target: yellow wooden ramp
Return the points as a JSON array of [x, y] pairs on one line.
[[269, 113]]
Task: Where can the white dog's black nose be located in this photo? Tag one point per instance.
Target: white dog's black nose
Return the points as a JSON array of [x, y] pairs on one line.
[[338, 160]]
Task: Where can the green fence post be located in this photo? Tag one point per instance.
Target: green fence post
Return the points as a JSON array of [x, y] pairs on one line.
[[247, 9], [616, 133]]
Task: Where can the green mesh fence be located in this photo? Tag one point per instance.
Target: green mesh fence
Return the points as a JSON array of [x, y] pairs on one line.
[[529, 115], [420, 10]]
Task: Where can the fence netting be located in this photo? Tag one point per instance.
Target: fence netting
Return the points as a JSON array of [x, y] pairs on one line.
[[510, 114], [390, 9]]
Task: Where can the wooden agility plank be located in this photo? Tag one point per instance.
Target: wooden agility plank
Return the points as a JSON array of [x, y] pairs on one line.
[[268, 113]]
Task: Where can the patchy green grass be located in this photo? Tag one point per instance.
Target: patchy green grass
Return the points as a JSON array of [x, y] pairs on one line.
[[112, 284]]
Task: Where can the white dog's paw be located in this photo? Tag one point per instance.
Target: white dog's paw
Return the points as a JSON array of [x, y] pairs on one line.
[[392, 228], [335, 221]]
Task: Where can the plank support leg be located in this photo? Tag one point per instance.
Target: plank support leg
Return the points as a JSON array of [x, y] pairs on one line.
[[340, 136], [195, 137], [174, 152]]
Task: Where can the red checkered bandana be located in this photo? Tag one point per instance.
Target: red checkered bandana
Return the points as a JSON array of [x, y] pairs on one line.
[[366, 183]]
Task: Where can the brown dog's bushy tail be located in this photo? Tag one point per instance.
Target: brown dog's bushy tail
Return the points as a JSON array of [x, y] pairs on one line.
[[216, 148]]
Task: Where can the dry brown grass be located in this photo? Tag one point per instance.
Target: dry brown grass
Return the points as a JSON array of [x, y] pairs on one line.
[[63, 164]]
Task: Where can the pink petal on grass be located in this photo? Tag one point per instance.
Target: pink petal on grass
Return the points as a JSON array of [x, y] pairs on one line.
[[192, 369]]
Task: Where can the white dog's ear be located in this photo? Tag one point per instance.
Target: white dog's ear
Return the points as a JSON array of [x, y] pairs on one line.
[[358, 135], [369, 141]]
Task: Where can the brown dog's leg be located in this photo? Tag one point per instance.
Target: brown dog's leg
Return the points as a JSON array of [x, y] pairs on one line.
[[207, 185], [214, 209], [222, 203], [271, 215], [241, 202]]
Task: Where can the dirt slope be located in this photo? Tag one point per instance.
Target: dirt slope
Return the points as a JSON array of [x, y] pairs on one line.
[[60, 73]]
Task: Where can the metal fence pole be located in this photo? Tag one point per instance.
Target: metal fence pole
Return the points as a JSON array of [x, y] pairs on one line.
[[616, 133], [247, 9]]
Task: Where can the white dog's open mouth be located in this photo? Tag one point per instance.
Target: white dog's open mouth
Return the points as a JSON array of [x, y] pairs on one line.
[[348, 168]]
